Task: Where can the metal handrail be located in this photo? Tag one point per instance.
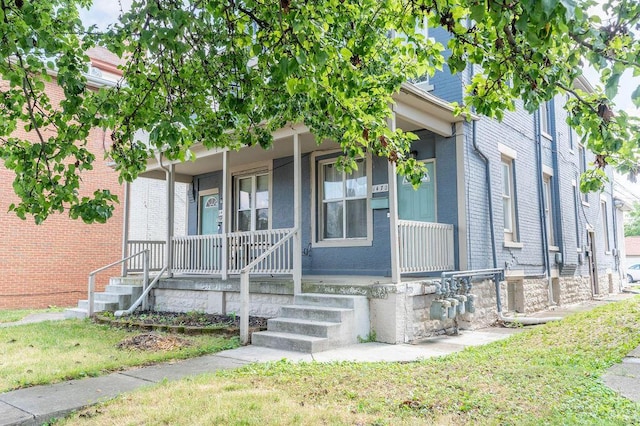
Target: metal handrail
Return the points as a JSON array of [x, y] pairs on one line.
[[244, 285], [92, 276], [143, 297]]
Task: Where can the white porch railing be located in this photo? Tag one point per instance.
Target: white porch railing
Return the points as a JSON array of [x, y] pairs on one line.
[[275, 259], [156, 255], [425, 246], [197, 254], [245, 247], [202, 254]]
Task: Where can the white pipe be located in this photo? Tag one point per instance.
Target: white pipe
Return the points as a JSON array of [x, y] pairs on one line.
[[527, 320]]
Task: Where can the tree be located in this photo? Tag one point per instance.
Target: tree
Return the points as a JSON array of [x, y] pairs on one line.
[[632, 226], [229, 72]]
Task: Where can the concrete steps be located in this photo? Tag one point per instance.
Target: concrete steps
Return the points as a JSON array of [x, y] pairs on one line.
[[118, 295], [315, 323]]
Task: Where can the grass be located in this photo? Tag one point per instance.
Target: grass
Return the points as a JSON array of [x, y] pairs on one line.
[[546, 375], [53, 351], [13, 315]]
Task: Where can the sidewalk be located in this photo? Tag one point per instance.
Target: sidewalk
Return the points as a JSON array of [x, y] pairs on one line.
[[38, 404]]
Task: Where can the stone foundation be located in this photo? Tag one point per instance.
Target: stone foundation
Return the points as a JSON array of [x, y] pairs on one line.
[[399, 313]]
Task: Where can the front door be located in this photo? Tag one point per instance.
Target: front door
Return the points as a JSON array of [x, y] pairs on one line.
[[418, 204], [209, 212]]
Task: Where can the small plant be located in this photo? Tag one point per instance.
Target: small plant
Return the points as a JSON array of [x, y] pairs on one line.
[[371, 337]]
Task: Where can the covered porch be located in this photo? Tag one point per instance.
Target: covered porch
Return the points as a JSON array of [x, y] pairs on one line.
[[258, 211]]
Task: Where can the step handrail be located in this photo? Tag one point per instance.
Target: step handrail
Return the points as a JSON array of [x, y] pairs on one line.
[[143, 296], [92, 276], [244, 285]]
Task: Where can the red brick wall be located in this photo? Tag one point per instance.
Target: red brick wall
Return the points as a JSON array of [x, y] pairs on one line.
[[48, 264]]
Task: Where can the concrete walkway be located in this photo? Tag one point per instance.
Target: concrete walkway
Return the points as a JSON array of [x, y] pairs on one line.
[[38, 404], [39, 317]]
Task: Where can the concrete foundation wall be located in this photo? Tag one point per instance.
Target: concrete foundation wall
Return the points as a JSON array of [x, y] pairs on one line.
[[218, 302], [396, 313]]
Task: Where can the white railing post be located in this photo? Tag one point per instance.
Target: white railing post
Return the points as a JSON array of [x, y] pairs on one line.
[[392, 176], [244, 308], [297, 206], [92, 284], [125, 227], [145, 282], [226, 212]]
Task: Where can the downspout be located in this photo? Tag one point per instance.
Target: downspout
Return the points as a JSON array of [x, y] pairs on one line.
[[487, 171], [487, 168], [543, 216], [557, 214]]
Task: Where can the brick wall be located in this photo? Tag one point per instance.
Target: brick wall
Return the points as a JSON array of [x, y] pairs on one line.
[[48, 264]]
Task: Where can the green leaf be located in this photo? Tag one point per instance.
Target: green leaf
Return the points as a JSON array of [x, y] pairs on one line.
[[635, 97]]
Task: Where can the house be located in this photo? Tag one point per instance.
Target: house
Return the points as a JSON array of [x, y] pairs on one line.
[[632, 246], [48, 264], [498, 225]]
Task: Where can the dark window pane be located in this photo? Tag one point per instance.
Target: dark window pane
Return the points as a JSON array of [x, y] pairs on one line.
[[356, 219], [333, 220]]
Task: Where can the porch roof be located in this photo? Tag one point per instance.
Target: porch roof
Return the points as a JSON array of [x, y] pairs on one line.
[[415, 109]]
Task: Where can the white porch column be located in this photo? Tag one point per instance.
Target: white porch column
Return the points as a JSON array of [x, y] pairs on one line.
[[297, 206], [170, 208], [462, 202], [393, 211], [125, 227], [226, 212]]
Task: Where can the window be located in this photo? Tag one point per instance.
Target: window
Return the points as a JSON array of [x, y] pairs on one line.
[[508, 200], [545, 127], [252, 202], [342, 202], [576, 201], [572, 133], [582, 165], [605, 225], [548, 209]]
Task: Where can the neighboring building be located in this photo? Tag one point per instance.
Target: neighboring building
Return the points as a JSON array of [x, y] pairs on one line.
[[632, 248], [48, 264], [501, 202]]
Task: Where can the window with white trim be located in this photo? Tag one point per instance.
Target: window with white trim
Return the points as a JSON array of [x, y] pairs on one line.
[[545, 126], [508, 200], [252, 202], [548, 208], [582, 163], [605, 225], [342, 212]]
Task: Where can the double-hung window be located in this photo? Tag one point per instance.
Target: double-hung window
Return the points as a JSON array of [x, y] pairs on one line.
[[509, 200], [548, 209], [604, 218], [545, 126], [252, 202], [342, 202], [582, 162]]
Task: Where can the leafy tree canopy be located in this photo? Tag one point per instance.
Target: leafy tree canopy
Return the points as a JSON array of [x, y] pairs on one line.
[[229, 72]]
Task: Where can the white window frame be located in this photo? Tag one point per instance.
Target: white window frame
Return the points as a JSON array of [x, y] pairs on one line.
[[510, 233], [604, 216], [317, 204], [547, 186], [252, 171], [582, 167], [545, 120]]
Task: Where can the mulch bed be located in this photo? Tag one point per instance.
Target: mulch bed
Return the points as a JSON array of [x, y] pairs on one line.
[[154, 342], [184, 323]]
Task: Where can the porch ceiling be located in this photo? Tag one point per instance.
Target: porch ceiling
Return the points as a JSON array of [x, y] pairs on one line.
[[414, 109]]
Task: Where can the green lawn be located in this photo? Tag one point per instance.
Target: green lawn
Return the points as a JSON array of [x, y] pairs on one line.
[[52, 351], [546, 375]]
